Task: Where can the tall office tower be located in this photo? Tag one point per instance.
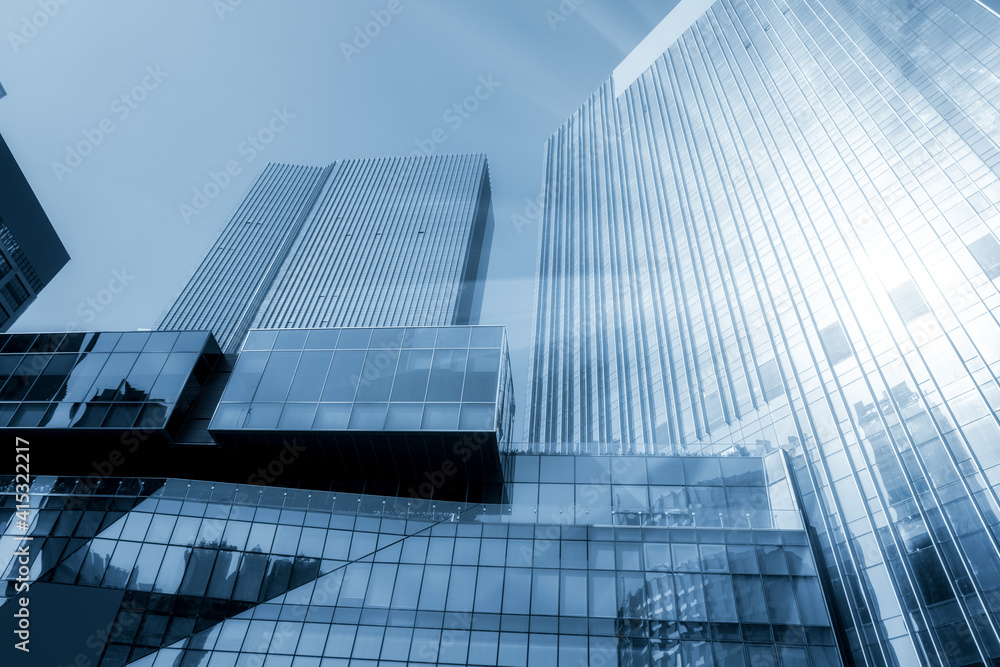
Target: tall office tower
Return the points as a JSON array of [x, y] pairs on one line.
[[778, 222], [30, 250], [372, 242]]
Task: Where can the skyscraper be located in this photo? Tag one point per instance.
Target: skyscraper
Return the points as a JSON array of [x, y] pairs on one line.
[[30, 250], [373, 242], [778, 223], [396, 547]]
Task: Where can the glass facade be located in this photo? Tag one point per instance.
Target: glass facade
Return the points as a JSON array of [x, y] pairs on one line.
[[108, 380], [201, 573], [424, 411], [785, 229], [381, 379], [378, 242]]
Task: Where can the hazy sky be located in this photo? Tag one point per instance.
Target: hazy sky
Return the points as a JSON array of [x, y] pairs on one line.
[[119, 112]]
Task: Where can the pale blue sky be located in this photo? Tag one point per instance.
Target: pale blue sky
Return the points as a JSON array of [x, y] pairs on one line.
[[199, 77]]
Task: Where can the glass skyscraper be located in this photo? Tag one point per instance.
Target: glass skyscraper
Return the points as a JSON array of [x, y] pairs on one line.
[[778, 224], [330, 496], [371, 242]]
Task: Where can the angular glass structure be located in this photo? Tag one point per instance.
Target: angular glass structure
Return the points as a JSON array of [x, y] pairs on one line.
[[412, 378], [778, 223], [30, 250], [395, 409], [88, 383], [597, 560], [378, 242]]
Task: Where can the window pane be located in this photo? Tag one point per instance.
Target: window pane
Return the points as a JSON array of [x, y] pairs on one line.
[[332, 416], [489, 587], [243, 381], [404, 416], [750, 599], [122, 415], [277, 376], [742, 558], [307, 385], [486, 337], [52, 378], [140, 380], [354, 339], [260, 340], [780, 600], [322, 339], [721, 601], [453, 337], [24, 376], [411, 375], [263, 415], [419, 337], [545, 592], [462, 589], [407, 590], [290, 339], [147, 566], [690, 597], [377, 375], [631, 595], [171, 571], [173, 375], [345, 371], [517, 591], [434, 588], [440, 416], [355, 585], [660, 593], [810, 599], [297, 416], [370, 416], [701, 471], [481, 375], [477, 416], [573, 593], [447, 375], [602, 595]]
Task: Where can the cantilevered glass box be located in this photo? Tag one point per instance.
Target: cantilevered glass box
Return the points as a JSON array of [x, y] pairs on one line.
[[403, 405], [108, 389]]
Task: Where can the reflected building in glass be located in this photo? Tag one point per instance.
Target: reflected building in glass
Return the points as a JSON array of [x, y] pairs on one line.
[[596, 560], [778, 223]]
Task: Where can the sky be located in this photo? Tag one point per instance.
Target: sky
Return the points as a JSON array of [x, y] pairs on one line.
[[124, 115]]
